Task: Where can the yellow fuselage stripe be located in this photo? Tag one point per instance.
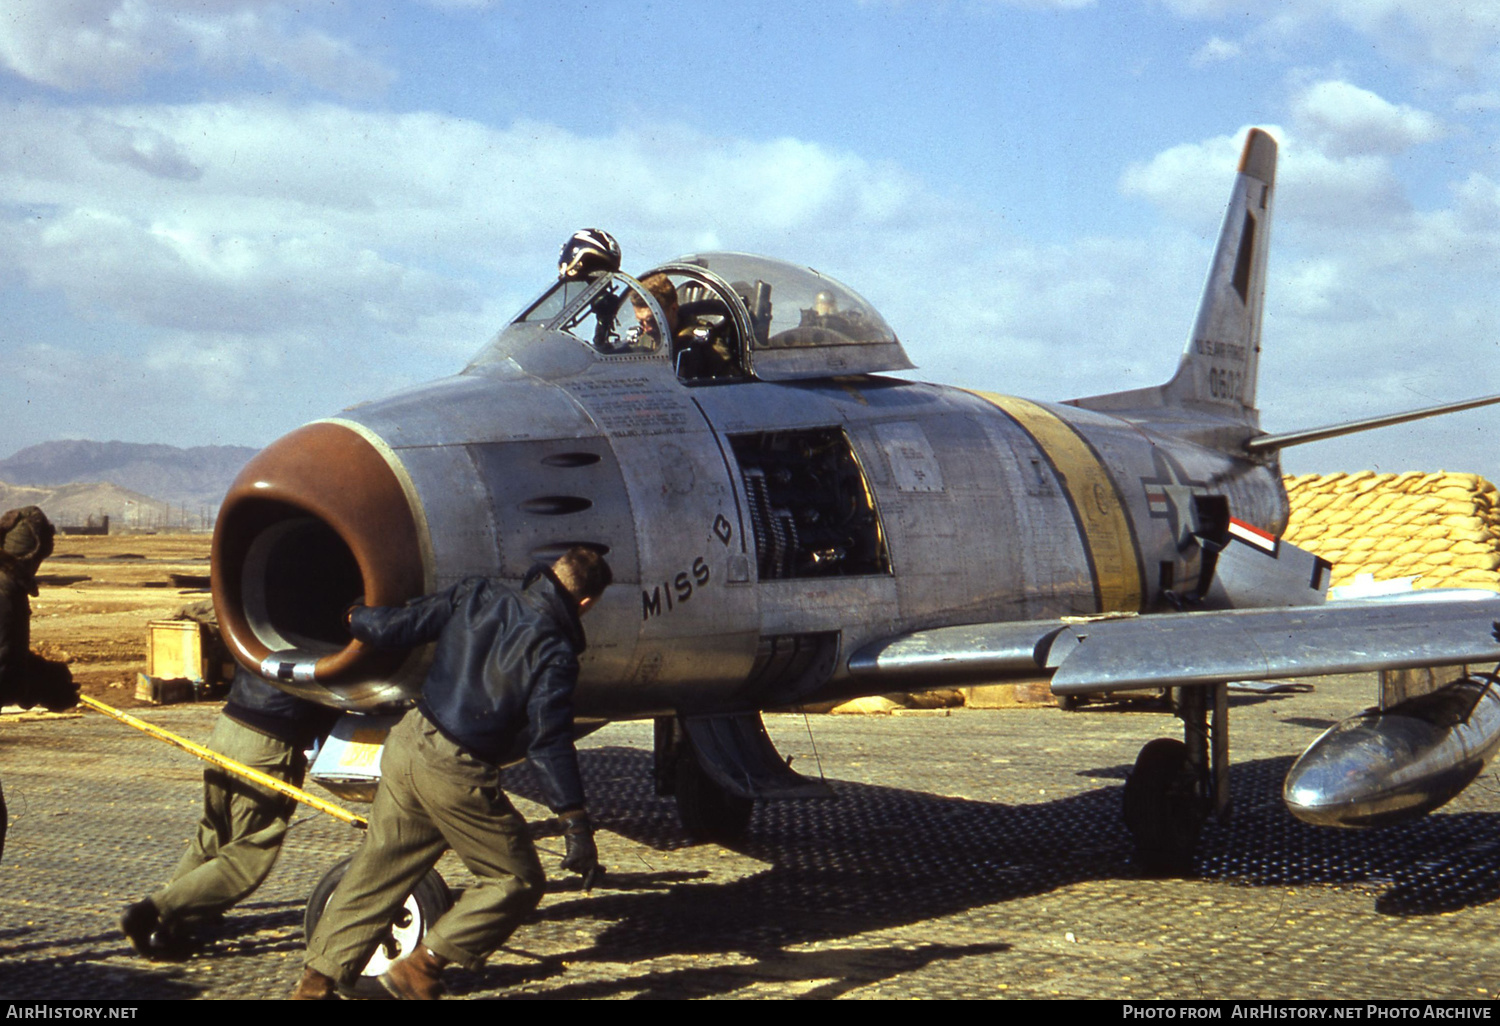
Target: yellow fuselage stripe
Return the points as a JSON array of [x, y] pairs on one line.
[[1100, 508]]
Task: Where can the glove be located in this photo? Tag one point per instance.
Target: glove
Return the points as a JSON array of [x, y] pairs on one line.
[[49, 684], [582, 856]]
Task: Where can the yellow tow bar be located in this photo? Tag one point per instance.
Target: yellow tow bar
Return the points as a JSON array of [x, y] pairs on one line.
[[229, 765]]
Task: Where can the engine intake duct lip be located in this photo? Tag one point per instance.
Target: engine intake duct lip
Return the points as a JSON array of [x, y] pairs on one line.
[[316, 521]]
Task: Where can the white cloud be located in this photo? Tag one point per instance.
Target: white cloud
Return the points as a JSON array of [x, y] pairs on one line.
[[145, 149], [1187, 181], [1477, 103], [407, 239], [1216, 51], [172, 214], [1345, 120], [1312, 288], [1457, 36], [1356, 193], [111, 44]]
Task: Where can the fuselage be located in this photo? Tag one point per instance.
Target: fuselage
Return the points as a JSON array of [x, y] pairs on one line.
[[759, 531]]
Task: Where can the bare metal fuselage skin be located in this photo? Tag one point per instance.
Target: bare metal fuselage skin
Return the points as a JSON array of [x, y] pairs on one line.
[[986, 508]]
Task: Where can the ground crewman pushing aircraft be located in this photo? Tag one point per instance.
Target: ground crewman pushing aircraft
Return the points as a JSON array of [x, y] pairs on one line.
[[500, 689], [243, 825]]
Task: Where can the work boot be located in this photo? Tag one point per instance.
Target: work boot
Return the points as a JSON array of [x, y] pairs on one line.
[[174, 942], [417, 977], [139, 921], [313, 986]]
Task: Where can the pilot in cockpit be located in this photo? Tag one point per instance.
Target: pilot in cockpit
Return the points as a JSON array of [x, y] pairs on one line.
[[698, 351], [665, 294]]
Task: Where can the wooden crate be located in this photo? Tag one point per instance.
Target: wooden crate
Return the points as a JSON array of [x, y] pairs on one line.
[[164, 692], [175, 650]]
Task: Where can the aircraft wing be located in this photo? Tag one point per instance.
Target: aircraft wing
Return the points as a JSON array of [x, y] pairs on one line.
[[1115, 653]]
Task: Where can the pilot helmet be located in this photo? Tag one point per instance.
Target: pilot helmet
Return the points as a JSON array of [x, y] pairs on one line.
[[588, 251]]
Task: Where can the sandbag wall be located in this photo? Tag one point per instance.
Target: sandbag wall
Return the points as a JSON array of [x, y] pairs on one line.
[[1440, 529]]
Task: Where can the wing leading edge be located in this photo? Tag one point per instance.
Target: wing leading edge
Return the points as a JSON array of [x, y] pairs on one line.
[[1088, 655]]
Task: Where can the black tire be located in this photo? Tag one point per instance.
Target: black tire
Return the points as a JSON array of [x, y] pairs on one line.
[[1069, 703], [707, 811], [428, 901], [1163, 810]]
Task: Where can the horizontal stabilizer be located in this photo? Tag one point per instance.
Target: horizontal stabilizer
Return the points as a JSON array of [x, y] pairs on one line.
[[1272, 443]]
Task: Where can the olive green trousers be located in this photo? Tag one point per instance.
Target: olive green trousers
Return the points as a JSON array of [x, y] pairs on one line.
[[433, 796], [241, 831]]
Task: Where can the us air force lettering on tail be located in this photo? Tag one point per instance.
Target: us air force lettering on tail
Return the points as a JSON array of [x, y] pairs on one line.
[[788, 525]]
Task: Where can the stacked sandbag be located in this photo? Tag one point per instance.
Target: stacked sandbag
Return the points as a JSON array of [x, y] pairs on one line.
[[1441, 529]]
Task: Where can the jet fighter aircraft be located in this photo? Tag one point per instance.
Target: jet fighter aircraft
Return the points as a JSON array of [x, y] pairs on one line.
[[788, 523]]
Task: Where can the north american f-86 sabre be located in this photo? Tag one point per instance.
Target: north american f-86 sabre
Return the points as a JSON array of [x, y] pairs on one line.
[[789, 523]]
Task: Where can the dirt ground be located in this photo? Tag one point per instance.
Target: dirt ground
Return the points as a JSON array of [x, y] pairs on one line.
[[96, 595]]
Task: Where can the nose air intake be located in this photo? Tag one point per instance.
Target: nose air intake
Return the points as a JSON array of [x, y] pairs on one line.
[[315, 522]]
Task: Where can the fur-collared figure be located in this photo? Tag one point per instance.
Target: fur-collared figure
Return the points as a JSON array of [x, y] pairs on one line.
[[26, 679]]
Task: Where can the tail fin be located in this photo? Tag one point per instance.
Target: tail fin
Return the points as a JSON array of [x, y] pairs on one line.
[[1219, 365], [1218, 368]]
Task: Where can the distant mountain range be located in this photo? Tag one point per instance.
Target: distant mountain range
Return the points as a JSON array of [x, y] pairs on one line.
[[136, 485]]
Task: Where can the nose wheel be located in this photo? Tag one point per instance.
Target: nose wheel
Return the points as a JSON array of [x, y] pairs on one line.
[[707, 811], [423, 907]]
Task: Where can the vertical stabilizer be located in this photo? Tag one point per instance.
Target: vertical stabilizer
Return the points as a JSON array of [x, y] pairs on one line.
[[1218, 367]]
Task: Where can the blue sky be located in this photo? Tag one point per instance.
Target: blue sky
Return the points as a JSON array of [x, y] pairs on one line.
[[222, 218]]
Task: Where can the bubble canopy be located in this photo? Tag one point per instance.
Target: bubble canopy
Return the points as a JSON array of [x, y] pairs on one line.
[[800, 307], [785, 321]]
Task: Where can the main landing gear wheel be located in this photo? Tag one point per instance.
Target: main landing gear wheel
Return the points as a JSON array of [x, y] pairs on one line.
[[707, 811], [424, 906], [1164, 810]]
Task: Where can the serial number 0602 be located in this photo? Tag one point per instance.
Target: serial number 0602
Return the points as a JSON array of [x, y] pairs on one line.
[[1226, 384]]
